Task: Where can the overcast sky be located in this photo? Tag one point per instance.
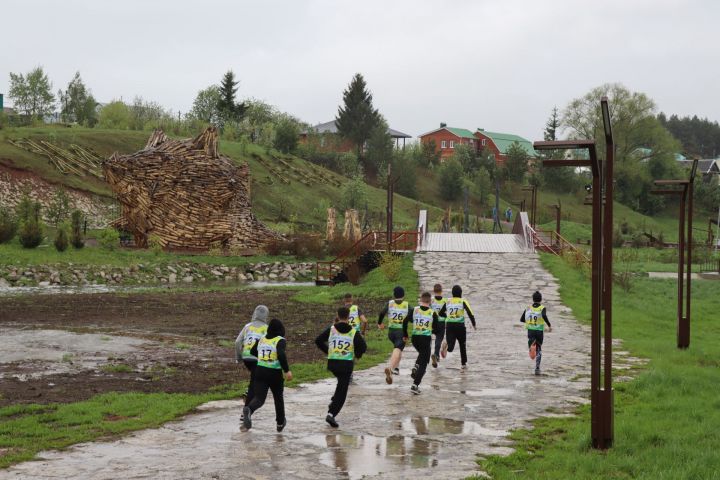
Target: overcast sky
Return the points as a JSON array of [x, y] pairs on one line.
[[496, 64]]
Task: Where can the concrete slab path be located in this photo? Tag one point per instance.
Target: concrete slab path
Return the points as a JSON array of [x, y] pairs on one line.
[[385, 432]]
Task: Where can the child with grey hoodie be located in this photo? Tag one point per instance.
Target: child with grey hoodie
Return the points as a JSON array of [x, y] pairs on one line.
[[249, 336]]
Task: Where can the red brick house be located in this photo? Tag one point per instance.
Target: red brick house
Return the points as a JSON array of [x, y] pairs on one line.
[[446, 138], [328, 139], [499, 143]]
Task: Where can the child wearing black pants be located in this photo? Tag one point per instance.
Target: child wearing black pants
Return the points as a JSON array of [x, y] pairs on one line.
[[535, 318], [342, 343], [425, 322], [437, 302], [272, 362], [455, 310]]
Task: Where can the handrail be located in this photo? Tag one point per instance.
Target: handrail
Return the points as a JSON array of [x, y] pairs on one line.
[[561, 243]]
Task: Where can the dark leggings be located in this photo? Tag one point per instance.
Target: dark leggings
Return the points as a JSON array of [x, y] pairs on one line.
[[422, 344], [439, 338], [269, 379], [250, 365], [457, 331], [536, 337], [341, 390]]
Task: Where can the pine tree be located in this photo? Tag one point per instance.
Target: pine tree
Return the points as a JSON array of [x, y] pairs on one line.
[[230, 111], [357, 118], [559, 179], [551, 127]]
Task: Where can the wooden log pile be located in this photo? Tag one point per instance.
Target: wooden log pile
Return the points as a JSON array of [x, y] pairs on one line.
[[185, 195], [74, 160]]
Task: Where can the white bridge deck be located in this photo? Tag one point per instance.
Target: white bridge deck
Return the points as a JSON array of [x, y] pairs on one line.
[[473, 242]]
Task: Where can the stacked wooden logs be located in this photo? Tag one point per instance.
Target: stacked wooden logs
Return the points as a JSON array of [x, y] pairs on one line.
[[186, 195]]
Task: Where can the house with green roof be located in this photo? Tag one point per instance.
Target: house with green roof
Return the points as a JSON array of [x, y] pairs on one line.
[[447, 138], [499, 144]]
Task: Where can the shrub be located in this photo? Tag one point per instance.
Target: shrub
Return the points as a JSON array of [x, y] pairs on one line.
[[306, 245], [8, 226], [451, 180], [155, 244], [76, 229], [61, 238], [59, 208], [618, 240], [30, 233], [390, 266], [338, 245], [108, 239], [277, 246]]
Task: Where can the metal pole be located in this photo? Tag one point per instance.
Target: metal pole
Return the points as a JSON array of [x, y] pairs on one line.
[[686, 320], [466, 209], [595, 338], [389, 210], [681, 326]]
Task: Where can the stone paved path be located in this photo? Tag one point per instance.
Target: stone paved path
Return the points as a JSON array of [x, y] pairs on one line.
[[385, 432]]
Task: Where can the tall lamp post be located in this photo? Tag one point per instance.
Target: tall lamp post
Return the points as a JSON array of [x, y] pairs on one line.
[[601, 397], [684, 248], [389, 209], [533, 202]]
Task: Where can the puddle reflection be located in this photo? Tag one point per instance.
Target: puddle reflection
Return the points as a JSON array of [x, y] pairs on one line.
[[445, 426], [360, 455]]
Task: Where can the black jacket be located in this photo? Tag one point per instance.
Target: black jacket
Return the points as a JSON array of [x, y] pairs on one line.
[[409, 319], [544, 314], [280, 351], [359, 346]]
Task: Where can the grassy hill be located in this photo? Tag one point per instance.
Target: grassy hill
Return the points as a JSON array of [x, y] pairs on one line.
[[285, 189]]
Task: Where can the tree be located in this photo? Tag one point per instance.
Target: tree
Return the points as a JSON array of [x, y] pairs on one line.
[[465, 154], [61, 238], [286, 136], [403, 168], [144, 114], [430, 153], [76, 229], [482, 185], [516, 164], [558, 179], [644, 148], [32, 93], [30, 232], [77, 103], [353, 193], [115, 115], [379, 147], [59, 208], [8, 225], [699, 137], [451, 180], [357, 118], [206, 105], [230, 110]]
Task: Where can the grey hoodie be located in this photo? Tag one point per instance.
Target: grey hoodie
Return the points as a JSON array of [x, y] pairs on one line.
[[259, 319]]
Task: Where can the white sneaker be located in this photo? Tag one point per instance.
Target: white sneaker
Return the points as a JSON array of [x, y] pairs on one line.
[[415, 390], [463, 368]]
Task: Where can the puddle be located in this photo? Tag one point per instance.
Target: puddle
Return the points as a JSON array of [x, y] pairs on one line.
[[446, 426], [490, 392], [82, 289], [357, 456]]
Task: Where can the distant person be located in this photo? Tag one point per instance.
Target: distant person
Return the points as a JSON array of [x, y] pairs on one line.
[[437, 303], [508, 214], [249, 336], [272, 362], [396, 310], [343, 344], [535, 318], [356, 319], [494, 214], [457, 309], [425, 323]]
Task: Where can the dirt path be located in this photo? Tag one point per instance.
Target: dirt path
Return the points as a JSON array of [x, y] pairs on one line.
[[385, 432]]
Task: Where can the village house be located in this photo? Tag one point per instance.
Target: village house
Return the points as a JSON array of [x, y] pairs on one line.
[[329, 140], [499, 143], [446, 138]]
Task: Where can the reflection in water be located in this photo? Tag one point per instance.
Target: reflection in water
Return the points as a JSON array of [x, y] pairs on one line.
[[358, 456], [445, 426]]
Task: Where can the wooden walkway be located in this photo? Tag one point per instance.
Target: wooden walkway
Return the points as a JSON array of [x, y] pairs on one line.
[[472, 242]]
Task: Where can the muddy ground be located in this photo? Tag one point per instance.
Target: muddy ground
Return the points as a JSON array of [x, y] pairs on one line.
[[69, 348]]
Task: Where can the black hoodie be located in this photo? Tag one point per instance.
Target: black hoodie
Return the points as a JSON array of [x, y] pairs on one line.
[[359, 346], [275, 329]]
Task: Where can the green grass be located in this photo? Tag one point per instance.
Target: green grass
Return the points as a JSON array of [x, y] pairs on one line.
[[666, 420]]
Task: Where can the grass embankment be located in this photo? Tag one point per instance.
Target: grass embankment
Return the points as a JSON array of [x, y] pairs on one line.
[[666, 419], [26, 430], [282, 195]]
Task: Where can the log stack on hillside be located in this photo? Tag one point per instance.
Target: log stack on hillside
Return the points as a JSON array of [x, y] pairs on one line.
[[185, 195]]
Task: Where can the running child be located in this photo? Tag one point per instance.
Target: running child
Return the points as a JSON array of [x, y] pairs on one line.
[[535, 318], [437, 302], [357, 319], [249, 335], [272, 362], [455, 310], [396, 310], [343, 344], [425, 322]]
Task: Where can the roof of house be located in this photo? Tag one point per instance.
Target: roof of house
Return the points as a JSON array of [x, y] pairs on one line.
[[331, 127], [705, 166], [503, 141], [458, 132]]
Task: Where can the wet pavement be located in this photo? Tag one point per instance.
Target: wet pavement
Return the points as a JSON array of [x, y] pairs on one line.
[[385, 432]]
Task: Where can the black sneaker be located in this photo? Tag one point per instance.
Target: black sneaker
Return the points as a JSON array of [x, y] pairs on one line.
[[247, 418], [414, 371], [280, 427], [537, 371], [415, 390], [331, 421], [396, 371], [434, 360]]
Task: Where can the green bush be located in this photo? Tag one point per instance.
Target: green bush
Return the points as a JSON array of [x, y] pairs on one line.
[[8, 226], [76, 229], [109, 239], [30, 233], [61, 238], [451, 180], [390, 266]]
